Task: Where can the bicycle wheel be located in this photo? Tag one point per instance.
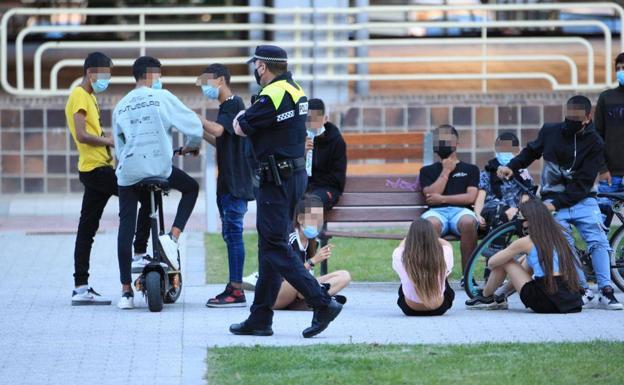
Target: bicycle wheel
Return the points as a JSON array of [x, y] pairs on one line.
[[617, 257], [476, 272]]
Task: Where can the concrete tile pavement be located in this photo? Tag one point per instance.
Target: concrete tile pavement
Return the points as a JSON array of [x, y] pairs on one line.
[[46, 341]]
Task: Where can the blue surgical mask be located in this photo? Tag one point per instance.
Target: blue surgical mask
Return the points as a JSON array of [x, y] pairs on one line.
[[620, 77], [100, 85], [210, 92], [316, 132], [157, 84], [310, 232], [504, 158]]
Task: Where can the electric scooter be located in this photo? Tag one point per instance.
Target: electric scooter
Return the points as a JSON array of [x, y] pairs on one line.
[[158, 281]]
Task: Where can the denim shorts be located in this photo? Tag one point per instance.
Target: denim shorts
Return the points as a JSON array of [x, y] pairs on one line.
[[449, 217]]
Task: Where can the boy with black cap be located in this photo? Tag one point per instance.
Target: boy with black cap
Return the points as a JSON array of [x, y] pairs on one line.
[[96, 172], [328, 168]]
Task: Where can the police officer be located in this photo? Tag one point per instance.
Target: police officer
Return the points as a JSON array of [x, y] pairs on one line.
[[275, 124]]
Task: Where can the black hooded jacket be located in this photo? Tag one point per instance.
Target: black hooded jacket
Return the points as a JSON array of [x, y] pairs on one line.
[[566, 179], [609, 119], [329, 160]]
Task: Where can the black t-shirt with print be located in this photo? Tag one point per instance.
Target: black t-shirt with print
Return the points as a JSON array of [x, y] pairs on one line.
[[465, 175]]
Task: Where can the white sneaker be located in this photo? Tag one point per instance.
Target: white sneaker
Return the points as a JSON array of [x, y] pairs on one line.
[[588, 299], [139, 264], [88, 297], [607, 299], [126, 301], [249, 282], [170, 247]]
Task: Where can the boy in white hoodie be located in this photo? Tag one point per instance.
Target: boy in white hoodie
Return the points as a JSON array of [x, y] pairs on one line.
[[142, 126]]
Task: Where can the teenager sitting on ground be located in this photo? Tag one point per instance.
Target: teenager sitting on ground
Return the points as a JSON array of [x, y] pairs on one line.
[[546, 278], [423, 262], [307, 222]]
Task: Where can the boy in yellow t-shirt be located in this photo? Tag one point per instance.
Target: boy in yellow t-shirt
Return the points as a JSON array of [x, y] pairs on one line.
[[97, 173]]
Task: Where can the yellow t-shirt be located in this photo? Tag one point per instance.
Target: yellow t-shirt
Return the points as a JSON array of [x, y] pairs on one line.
[[90, 157]]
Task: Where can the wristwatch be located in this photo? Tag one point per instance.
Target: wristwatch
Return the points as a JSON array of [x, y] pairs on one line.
[[309, 262]]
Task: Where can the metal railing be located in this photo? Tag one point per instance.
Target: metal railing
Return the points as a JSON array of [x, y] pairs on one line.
[[332, 29]]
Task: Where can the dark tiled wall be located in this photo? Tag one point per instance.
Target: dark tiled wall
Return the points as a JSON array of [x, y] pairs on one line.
[[37, 154]]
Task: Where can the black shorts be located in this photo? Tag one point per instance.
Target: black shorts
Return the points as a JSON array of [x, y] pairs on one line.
[[449, 296], [534, 296]]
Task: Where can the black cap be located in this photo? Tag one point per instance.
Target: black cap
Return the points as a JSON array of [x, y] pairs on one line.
[[270, 53]]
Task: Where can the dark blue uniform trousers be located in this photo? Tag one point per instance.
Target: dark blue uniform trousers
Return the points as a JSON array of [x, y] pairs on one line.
[[276, 258]]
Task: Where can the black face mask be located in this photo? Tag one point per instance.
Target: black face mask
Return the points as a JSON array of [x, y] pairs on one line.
[[573, 127], [257, 76], [521, 231], [444, 151]]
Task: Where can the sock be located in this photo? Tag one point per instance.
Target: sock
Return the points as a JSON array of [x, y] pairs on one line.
[[138, 257], [504, 290], [81, 289]]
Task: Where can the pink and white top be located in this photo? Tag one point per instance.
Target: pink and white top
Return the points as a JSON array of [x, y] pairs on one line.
[[408, 286]]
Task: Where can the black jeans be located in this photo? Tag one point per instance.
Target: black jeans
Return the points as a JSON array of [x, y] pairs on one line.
[[128, 198], [276, 258], [99, 185]]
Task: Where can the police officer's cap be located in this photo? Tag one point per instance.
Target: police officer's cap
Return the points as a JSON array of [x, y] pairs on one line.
[[269, 53]]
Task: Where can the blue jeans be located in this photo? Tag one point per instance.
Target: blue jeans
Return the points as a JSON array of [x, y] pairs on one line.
[[586, 217], [232, 210]]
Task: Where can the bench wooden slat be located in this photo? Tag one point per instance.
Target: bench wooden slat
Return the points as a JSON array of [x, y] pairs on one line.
[[398, 237], [350, 234], [381, 184], [356, 153], [385, 199], [393, 168], [374, 214], [385, 138]]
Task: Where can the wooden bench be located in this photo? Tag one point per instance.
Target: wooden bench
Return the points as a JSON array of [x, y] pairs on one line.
[[392, 153], [375, 199]]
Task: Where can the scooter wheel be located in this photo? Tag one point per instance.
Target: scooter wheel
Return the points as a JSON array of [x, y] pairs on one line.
[[153, 290]]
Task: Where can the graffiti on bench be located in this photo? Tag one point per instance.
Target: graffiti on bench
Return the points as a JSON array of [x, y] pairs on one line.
[[402, 184]]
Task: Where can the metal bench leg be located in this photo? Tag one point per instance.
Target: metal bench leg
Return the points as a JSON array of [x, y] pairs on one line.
[[324, 239]]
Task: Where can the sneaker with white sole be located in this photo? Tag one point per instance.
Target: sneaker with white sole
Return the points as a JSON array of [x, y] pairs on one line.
[[479, 302], [126, 301], [88, 297], [588, 299], [607, 299], [170, 248], [139, 264], [249, 282]]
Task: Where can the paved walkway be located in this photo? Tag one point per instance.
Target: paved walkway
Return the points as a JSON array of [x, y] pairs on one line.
[[43, 340]]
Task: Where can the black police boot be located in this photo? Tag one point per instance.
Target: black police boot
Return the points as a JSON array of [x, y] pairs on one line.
[[242, 329], [322, 317]]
